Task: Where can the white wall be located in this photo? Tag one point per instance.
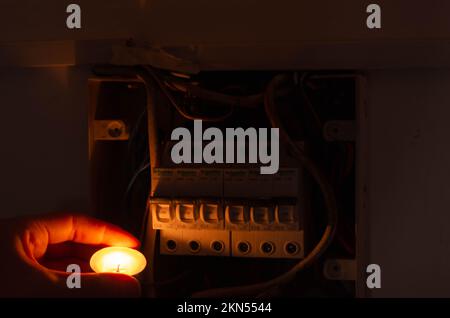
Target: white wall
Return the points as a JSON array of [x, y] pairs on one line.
[[174, 22], [43, 157], [409, 188], [231, 33]]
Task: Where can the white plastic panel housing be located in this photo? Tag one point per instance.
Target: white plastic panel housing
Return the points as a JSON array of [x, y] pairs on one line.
[[283, 244], [191, 242]]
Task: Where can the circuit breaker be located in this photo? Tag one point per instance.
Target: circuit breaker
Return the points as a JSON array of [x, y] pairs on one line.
[[228, 212]]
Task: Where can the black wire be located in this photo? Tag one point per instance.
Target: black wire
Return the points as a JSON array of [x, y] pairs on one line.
[[135, 130]]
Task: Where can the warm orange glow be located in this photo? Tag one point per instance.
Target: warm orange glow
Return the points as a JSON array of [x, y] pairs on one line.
[[122, 260]]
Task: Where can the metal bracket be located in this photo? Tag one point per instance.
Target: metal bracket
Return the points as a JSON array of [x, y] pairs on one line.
[[110, 130]]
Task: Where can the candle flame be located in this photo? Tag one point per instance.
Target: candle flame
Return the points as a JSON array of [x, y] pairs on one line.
[[118, 260]]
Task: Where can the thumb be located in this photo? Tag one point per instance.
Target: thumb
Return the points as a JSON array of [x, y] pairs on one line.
[[109, 285]]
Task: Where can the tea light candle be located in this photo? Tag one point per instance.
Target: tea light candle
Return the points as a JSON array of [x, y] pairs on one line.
[[115, 259]]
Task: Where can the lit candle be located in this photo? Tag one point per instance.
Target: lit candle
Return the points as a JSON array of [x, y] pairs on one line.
[[122, 260]]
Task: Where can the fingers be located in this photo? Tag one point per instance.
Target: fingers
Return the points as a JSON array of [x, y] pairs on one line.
[[71, 249], [58, 228], [83, 229]]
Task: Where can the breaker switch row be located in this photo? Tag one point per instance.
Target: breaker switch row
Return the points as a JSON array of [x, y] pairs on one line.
[[224, 215]]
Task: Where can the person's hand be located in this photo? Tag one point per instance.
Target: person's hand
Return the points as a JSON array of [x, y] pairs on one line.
[[35, 252]]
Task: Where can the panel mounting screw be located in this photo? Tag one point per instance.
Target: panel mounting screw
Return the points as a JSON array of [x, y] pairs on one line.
[[115, 129]]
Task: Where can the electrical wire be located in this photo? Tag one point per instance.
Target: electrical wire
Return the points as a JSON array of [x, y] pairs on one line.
[[251, 101], [134, 178], [262, 289], [136, 127], [309, 105], [182, 112]]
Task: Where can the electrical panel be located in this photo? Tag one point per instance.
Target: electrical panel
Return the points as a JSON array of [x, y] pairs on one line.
[[208, 225]]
